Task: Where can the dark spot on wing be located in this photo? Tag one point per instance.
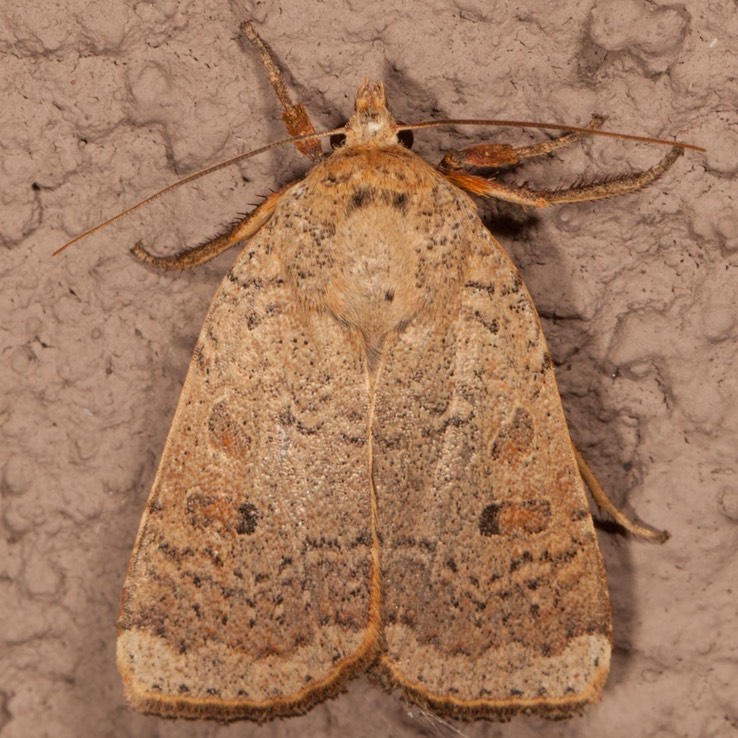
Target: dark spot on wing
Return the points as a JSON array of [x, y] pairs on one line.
[[515, 518], [248, 518]]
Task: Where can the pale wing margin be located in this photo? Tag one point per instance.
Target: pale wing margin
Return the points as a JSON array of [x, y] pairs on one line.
[[495, 597], [250, 589]]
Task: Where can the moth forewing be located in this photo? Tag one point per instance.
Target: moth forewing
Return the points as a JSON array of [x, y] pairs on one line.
[[252, 590], [495, 593]]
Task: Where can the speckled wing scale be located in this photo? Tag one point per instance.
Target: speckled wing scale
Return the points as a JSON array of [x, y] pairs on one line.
[[369, 467]]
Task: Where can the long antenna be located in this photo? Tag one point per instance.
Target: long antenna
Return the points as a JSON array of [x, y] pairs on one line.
[[190, 178], [501, 123], [545, 126]]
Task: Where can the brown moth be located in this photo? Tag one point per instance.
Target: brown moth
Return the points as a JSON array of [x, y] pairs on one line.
[[369, 467]]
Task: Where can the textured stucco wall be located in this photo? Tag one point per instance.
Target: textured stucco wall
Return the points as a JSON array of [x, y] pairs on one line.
[[103, 103]]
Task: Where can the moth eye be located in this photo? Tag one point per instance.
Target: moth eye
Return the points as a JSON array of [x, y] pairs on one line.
[[248, 517], [406, 138], [515, 518], [337, 140]]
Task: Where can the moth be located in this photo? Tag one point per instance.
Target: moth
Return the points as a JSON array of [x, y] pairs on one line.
[[369, 468]]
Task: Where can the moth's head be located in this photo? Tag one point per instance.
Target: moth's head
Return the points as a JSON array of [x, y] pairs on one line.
[[371, 121]]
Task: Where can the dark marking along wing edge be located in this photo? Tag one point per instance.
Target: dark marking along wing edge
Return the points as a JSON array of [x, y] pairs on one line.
[[493, 585], [259, 520]]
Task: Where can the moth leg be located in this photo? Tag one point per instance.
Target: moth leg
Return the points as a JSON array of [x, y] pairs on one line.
[[295, 117], [203, 253], [612, 187], [608, 506], [500, 155], [484, 187], [546, 147], [579, 193]]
